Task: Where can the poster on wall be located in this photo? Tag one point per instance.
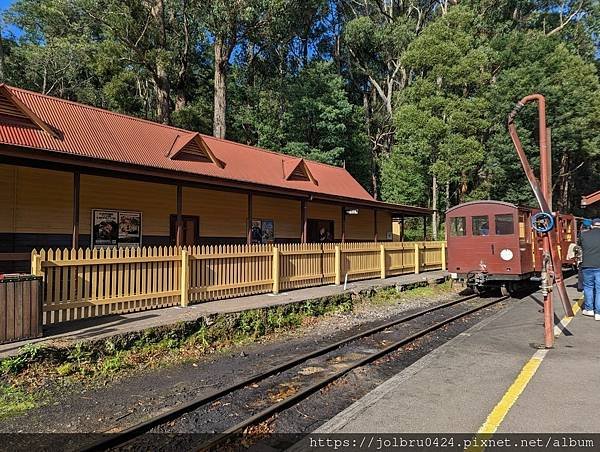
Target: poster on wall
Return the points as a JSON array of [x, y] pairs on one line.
[[130, 228], [116, 228], [105, 227], [268, 233]]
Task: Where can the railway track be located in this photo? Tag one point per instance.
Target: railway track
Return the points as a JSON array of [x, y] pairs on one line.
[[360, 356]]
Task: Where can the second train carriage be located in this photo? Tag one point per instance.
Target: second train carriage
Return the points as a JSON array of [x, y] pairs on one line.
[[492, 243]]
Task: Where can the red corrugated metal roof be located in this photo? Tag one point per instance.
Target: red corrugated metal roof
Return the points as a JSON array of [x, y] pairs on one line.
[[95, 133], [92, 132]]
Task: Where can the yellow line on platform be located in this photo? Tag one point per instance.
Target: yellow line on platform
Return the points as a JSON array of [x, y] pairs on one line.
[[500, 411]]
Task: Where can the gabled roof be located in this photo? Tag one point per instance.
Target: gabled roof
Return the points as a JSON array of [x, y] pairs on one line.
[[298, 170], [12, 109], [191, 146], [75, 131]]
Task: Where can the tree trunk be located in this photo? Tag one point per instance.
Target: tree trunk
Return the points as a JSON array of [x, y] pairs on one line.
[[220, 95], [464, 186], [367, 108], [2, 75], [163, 101], [184, 60], [161, 77], [564, 184], [435, 217], [180, 100]]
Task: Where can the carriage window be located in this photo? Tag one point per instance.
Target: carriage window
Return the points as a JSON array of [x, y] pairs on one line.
[[458, 226], [505, 225], [481, 225]]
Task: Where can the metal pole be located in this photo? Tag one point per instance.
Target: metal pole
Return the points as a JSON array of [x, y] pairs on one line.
[[552, 265], [545, 182]]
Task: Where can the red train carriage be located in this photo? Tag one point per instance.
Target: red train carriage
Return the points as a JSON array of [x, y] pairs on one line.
[[492, 243]]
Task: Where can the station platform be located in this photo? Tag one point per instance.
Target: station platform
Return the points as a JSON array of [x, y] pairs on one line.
[[66, 333], [493, 378]]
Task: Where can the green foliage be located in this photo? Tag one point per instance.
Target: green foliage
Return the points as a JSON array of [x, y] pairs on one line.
[[28, 354], [411, 97], [113, 364], [66, 369]]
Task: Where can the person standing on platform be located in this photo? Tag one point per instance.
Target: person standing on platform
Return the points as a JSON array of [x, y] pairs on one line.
[[590, 265]]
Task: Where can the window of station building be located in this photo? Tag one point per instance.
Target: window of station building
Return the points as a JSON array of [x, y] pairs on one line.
[[505, 224], [458, 227], [481, 225]]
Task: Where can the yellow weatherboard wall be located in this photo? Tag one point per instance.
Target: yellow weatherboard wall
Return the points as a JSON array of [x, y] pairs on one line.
[[284, 212], [319, 211], [36, 200], [7, 197], [361, 226], [384, 225], [222, 214], [156, 201], [397, 230]]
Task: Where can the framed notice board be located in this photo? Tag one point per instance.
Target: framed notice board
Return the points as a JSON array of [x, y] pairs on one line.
[[111, 227]]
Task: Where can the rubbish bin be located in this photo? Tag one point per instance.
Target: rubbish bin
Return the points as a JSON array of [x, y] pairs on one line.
[[20, 307]]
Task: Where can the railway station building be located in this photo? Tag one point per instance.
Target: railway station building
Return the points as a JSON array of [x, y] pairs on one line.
[[76, 176]]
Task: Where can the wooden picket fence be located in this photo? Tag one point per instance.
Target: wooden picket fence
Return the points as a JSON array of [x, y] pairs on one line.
[[95, 282]]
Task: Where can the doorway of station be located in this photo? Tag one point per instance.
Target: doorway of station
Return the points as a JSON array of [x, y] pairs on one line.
[[191, 230], [320, 231]]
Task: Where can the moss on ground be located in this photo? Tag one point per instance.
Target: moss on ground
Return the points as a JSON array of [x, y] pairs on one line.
[[97, 361], [14, 400]]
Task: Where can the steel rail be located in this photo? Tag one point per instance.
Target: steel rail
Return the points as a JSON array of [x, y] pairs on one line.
[[293, 400], [136, 430]]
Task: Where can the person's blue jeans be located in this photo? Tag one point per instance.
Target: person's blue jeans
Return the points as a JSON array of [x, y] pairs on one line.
[[591, 289]]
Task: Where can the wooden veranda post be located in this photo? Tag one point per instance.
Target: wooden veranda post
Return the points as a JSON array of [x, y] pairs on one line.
[[402, 229], [338, 265], [303, 222], [179, 225], [417, 256], [375, 224], [250, 214], [382, 260], [343, 224], [185, 277], [76, 196], [275, 270]]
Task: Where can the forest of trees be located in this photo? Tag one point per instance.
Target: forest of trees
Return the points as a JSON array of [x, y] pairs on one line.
[[411, 96]]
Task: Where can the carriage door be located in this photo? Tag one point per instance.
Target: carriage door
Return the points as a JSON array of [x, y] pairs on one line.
[[525, 242]]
